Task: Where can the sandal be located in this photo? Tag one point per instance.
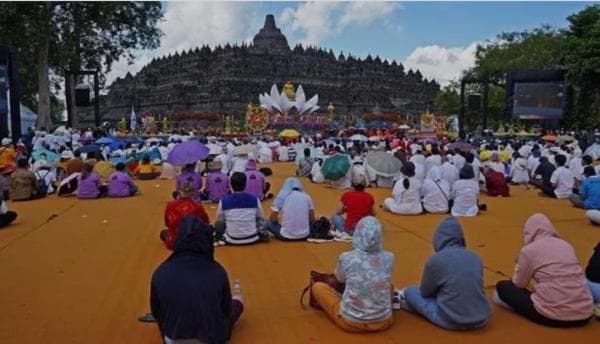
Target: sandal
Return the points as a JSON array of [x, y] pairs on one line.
[[147, 318]]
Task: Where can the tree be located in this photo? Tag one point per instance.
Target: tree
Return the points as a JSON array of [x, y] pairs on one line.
[[539, 49], [52, 36], [447, 100], [582, 57]]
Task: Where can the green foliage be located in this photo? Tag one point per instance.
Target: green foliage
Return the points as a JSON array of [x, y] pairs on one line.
[[82, 35], [577, 49], [582, 57], [447, 101], [540, 49]]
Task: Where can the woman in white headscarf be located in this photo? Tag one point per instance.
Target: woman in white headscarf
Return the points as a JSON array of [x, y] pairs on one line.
[[265, 154], [406, 195], [435, 192]]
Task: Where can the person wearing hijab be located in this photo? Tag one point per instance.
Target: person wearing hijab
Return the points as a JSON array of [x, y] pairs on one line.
[[406, 197], [592, 275], [190, 296], [293, 212], [256, 183], [217, 183], [366, 303], [494, 164], [518, 171], [464, 193], [435, 192], [451, 294], [561, 297], [448, 171], [316, 176]]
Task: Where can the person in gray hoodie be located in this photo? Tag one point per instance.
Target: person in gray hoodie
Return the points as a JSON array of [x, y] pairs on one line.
[[451, 294]]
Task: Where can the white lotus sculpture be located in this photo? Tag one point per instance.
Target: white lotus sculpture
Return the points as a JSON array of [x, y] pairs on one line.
[[279, 102]]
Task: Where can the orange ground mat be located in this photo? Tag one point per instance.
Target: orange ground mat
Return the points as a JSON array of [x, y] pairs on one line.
[[78, 271]]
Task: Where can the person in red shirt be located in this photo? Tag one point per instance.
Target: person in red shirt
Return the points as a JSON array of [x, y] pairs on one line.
[[177, 210], [355, 204]]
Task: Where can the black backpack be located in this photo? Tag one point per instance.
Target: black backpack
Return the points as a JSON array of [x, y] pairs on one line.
[[320, 228], [42, 187]]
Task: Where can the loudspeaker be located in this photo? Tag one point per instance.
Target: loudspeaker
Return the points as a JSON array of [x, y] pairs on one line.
[[474, 102], [82, 96]]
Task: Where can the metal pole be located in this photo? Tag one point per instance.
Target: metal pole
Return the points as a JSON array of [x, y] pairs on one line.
[[96, 99], [486, 89], [68, 98], [461, 115], [15, 94]]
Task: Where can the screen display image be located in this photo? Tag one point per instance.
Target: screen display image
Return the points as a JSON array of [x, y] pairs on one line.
[[539, 100]]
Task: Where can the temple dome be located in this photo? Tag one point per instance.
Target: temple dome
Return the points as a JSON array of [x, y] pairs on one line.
[[270, 37]]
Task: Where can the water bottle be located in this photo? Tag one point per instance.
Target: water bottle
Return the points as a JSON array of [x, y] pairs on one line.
[[236, 293]]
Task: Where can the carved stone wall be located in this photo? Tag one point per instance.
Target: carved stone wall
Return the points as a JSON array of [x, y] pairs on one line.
[[226, 78]]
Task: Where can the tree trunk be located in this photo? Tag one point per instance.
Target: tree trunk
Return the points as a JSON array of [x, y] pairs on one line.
[[72, 107], [43, 111]]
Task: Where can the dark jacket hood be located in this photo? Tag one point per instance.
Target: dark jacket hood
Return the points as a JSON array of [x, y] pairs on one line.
[[448, 234], [194, 238]]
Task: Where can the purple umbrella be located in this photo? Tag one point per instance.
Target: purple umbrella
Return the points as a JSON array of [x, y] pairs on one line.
[[188, 152], [463, 146]]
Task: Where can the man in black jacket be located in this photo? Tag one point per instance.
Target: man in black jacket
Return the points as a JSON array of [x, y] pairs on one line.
[[190, 295]]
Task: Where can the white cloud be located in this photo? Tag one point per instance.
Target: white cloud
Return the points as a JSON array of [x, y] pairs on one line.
[[441, 63], [313, 18], [365, 12], [320, 20], [190, 24]]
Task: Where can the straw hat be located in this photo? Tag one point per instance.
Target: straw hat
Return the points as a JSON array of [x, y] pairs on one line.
[[216, 165]]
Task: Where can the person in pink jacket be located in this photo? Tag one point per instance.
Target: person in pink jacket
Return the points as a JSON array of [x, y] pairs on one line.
[[561, 297]]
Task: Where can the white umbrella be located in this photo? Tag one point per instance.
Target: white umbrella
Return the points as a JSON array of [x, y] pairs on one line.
[[404, 127], [359, 137]]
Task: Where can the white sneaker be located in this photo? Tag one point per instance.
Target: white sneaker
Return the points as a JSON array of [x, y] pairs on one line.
[[496, 299], [342, 236], [399, 300]]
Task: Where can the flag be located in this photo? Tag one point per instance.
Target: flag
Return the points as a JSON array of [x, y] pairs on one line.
[[133, 119]]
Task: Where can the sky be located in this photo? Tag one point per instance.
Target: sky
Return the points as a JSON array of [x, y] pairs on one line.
[[438, 38]]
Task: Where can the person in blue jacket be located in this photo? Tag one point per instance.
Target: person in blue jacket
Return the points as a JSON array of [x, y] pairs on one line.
[[589, 191], [451, 294], [190, 295]]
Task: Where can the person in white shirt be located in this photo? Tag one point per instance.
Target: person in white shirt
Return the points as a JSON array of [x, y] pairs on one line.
[[358, 168], [265, 154], [533, 161], [449, 172], [418, 158], [293, 212], [562, 180], [239, 163], [435, 192], [315, 173], [495, 164], [406, 195], [434, 159], [459, 161], [239, 215], [518, 171], [283, 152], [464, 193], [164, 151]]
